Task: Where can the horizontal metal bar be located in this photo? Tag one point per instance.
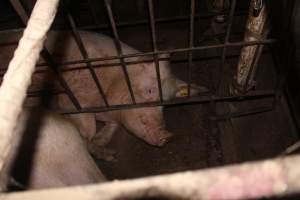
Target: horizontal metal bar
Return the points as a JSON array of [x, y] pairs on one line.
[[43, 69], [180, 50], [160, 20], [276, 177], [179, 101], [38, 93], [19, 30], [243, 113], [8, 44]]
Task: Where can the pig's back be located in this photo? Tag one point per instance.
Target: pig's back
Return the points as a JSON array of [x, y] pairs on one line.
[[60, 156], [64, 48]]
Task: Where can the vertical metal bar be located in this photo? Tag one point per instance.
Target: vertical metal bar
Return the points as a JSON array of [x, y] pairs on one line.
[[285, 51], [191, 45], [253, 68], [84, 54], [256, 29], [92, 8], [20, 10], [226, 41], [154, 43], [118, 47], [47, 56]]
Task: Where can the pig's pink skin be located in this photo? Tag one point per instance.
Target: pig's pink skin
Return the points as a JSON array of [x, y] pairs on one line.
[[147, 123], [142, 76], [60, 156]]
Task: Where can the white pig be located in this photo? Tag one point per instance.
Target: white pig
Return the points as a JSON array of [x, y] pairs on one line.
[[60, 157], [146, 123], [143, 79]]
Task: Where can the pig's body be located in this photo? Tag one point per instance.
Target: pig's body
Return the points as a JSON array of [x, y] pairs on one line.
[[142, 75], [60, 157], [144, 84]]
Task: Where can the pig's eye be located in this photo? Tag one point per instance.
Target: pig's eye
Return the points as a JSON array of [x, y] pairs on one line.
[[149, 91]]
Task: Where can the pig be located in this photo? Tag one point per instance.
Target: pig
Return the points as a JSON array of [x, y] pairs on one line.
[[60, 156], [145, 123]]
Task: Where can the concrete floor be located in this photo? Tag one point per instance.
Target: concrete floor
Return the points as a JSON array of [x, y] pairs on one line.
[[253, 137]]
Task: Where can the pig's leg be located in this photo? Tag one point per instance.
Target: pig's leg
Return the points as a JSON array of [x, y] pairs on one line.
[[86, 123], [101, 152], [102, 138]]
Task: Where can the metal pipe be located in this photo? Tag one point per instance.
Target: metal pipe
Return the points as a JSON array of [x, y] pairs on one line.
[[118, 47], [226, 41], [179, 101], [154, 43], [18, 77], [191, 45], [85, 55], [179, 50], [93, 11], [255, 30], [43, 69], [251, 180], [47, 56]]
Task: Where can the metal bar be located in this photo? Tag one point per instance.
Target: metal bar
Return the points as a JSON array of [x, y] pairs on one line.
[[179, 50], [47, 56], [38, 93], [226, 41], [180, 101], [191, 45], [277, 177], [42, 69], [256, 28], [243, 113], [253, 68], [84, 54], [8, 44], [286, 52], [92, 8], [141, 22], [154, 43], [159, 20], [20, 10], [255, 64], [119, 48]]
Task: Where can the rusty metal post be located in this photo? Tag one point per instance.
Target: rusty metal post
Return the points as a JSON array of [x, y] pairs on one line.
[[256, 29], [218, 21]]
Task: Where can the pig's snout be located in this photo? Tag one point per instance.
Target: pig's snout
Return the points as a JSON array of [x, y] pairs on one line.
[[162, 138]]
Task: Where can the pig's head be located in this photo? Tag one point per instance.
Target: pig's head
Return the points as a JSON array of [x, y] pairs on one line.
[[147, 124]]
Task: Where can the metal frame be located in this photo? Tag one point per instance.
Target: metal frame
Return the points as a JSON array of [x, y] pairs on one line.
[[88, 62], [207, 98]]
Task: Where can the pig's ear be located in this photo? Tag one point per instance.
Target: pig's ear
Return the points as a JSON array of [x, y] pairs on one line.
[[182, 89]]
